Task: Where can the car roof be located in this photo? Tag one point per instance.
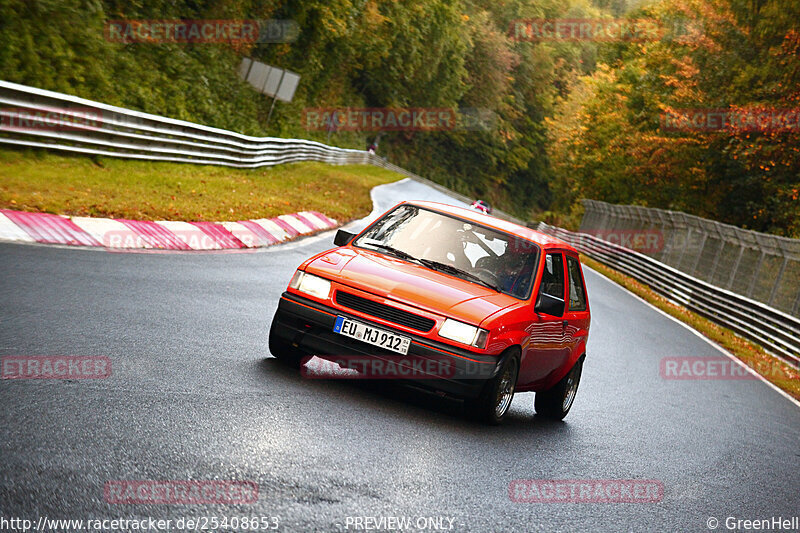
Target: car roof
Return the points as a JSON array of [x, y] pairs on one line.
[[542, 239]]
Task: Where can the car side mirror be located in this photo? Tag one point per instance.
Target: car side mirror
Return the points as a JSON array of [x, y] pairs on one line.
[[343, 237], [549, 305]]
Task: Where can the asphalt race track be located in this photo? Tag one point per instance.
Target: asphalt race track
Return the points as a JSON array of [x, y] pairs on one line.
[[195, 395]]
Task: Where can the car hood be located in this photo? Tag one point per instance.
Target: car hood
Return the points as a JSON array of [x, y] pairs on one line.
[[413, 284]]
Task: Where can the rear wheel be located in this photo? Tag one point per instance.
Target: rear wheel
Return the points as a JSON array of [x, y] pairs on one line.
[[495, 399], [556, 402], [283, 351]]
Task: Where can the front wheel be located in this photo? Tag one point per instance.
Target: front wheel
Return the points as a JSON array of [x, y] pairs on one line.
[[556, 402], [495, 398]]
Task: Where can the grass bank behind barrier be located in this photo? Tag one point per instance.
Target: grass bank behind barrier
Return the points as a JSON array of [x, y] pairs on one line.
[[40, 181]]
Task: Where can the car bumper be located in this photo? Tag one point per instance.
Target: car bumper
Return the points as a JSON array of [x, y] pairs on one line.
[[309, 326]]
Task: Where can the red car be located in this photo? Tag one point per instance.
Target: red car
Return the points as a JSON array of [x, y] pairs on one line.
[[463, 303], [483, 207]]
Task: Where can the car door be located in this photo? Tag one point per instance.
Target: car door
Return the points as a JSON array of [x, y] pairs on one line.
[[577, 312], [548, 350]]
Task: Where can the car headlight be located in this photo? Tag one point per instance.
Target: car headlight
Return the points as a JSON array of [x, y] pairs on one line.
[[463, 333], [311, 285]]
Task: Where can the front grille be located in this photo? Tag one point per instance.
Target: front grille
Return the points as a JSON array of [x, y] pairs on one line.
[[386, 312]]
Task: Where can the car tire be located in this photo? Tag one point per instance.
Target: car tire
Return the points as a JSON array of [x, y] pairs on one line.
[[556, 402], [283, 351], [494, 401]]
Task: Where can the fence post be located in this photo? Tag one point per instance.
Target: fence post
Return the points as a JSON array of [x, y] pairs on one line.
[[699, 254], [755, 274], [686, 241], [666, 220], [735, 266], [778, 279], [723, 242]]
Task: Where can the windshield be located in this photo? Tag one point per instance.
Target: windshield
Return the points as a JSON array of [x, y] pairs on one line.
[[478, 254]]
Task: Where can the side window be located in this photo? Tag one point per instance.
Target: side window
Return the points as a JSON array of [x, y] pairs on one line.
[[553, 275], [577, 292]]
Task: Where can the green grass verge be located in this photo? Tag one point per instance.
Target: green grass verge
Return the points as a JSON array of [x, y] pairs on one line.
[[774, 370], [36, 180]]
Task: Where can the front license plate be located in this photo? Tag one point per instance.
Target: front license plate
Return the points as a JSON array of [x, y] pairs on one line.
[[371, 335]]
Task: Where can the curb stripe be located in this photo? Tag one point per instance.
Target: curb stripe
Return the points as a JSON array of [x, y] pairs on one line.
[[294, 222], [329, 221], [108, 232], [308, 221], [154, 235], [192, 236], [11, 232], [164, 234], [287, 229], [50, 229], [273, 229], [314, 219], [247, 237], [223, 237], [266, 238]]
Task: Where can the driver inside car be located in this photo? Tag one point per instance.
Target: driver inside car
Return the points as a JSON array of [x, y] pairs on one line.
[[511, 271], [516, 273]]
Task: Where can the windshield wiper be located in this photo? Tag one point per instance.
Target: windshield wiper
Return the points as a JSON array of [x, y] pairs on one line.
[[436, 265], [433, 265], [394, 251]]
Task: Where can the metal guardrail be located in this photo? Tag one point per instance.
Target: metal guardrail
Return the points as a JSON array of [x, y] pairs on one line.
[[75, 124], [776, 331]]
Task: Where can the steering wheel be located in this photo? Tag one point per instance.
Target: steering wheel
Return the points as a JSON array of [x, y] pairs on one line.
[[488, 275]]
